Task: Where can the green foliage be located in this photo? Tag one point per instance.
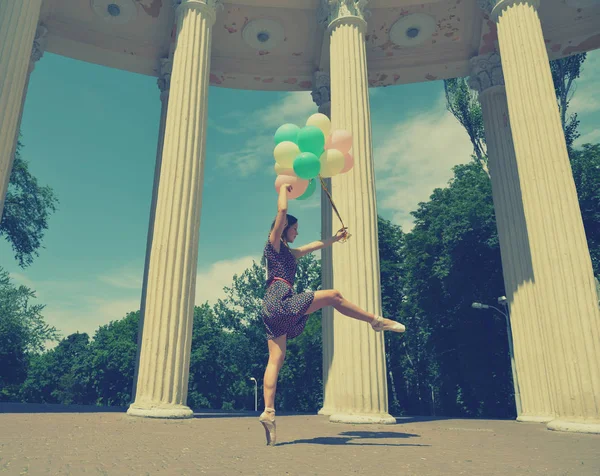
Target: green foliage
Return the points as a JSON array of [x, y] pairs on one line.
[[112, 360], [60, 375], [453, 259], [453, 360], [26, 211], [464, 105], [564, 73], [23, 334], [585, 164]]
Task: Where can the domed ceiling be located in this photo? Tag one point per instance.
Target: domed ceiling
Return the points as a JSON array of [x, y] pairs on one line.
[[278, 44]]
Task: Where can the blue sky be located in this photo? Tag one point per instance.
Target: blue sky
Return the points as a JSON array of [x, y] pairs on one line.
[[90, 133]]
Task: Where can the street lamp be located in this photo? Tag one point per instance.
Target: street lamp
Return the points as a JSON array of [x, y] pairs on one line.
[[255, 393], [504, 303]]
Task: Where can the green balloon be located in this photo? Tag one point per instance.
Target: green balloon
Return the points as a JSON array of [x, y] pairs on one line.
[[307, 165], [312, 185], [287, 132], [311, 139]]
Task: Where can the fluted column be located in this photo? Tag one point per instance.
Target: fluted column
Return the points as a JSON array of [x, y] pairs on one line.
[[164, 83], [562, 270], [18, 24], [162, 383], [322, 97], [532, 392], [358, 372]]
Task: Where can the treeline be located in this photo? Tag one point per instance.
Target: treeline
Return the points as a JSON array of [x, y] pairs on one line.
[[453, 360]]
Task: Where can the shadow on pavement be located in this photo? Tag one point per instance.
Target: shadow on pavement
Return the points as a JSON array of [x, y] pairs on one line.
[[355, 437]]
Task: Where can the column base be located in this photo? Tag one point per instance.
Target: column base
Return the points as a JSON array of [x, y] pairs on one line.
[[575, 426], [534, 419], [163, 410], [363, 418], [326, 411]]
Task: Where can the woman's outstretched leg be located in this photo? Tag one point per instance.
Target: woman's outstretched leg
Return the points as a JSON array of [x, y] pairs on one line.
[[332, 297], [277, 349]]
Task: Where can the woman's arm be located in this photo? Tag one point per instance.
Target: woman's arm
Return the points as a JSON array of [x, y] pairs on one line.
[[281, 218], [318, 245]]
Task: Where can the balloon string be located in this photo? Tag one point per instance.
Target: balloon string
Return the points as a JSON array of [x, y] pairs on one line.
[[331, 201]]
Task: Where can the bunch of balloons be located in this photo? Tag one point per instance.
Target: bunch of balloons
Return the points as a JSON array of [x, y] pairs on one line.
[[303, 154]]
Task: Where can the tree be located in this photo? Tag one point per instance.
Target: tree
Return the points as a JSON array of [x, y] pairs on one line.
[[453, 259], [391, 241], [585, 164], [564, 73], [112, 361], [60, 375], [26, 211], [464, 105], [23, 333]]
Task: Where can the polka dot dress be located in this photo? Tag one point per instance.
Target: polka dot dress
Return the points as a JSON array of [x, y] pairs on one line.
[[284, 311]]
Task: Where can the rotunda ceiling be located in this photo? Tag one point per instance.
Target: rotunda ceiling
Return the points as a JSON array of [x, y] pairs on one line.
[[278, 44]]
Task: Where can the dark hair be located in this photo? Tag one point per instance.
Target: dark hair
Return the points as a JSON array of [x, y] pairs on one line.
[[291, 221]]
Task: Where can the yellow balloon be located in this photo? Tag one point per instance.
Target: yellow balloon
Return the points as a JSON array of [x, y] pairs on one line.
[[332, 163], [321, 121], [285, 152]]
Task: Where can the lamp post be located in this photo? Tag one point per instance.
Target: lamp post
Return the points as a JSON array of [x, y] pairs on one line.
[[503, 302], [255, 393]]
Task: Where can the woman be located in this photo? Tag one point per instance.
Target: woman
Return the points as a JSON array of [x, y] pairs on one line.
[[285, 312]]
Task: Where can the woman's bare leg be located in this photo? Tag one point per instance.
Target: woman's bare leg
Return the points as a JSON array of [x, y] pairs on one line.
[[332, 297], [277, 349]]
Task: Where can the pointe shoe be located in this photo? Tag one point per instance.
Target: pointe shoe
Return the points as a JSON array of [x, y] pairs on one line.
[[378, 325], [267, 418]]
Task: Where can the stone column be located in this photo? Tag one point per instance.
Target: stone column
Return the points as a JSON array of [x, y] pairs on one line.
[[357, 376], [322, 97], [162, 383], [525, 315], [164, 83], [561, 277], [18, 24]]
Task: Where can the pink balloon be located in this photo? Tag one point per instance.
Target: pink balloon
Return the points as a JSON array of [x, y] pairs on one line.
[[299, 185], [348, 163], [341, 140]]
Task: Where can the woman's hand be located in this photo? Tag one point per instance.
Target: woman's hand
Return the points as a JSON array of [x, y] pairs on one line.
[[341, 234]]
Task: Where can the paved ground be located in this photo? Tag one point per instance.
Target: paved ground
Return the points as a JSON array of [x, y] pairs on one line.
[[225, 444]]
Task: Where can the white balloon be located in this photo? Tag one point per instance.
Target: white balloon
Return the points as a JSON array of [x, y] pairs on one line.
[[321, 121]]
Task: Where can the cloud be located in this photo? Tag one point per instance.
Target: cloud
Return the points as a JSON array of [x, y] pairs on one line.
[[210, 281], [416, 157], [252, 157], [586, 99], [88, 313], [124, 278], [592, 137], [294, 107], [84, 306]]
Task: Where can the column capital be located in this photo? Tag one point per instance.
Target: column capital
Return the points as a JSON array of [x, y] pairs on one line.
[[485, 72], [209, 7], [321, 93], [40, 42], [333, 12], [164, 75], [494, 8]]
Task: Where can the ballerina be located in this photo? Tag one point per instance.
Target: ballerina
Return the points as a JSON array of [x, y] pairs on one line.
[[286, 312]]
